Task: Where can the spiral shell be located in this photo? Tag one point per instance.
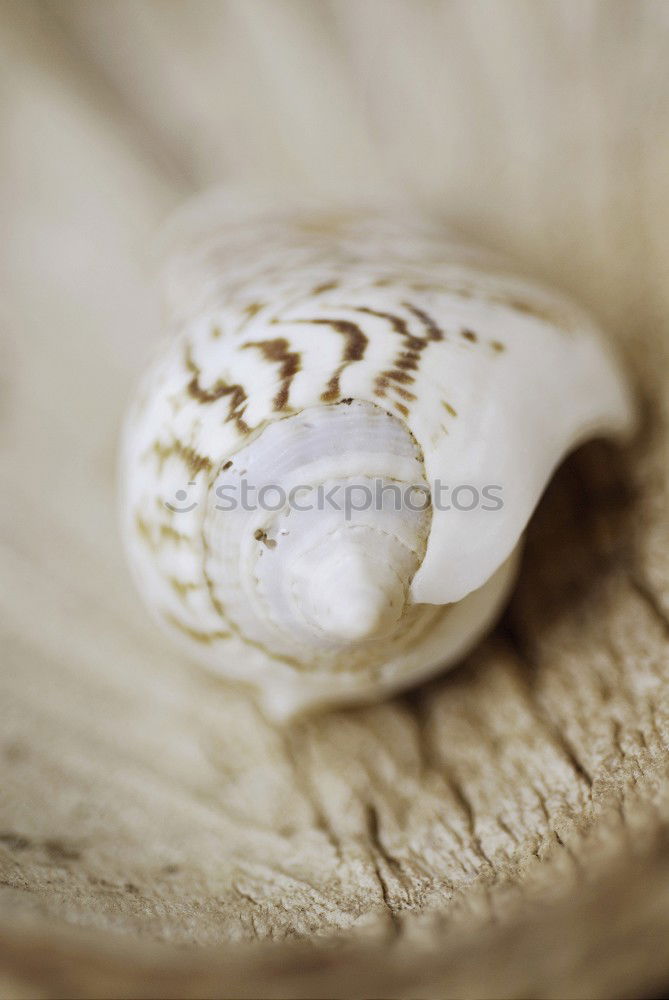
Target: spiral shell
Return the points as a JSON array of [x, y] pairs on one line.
[[351, 356]]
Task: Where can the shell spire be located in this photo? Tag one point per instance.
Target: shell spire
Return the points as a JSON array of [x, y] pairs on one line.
[[327, 476], [349, 593]]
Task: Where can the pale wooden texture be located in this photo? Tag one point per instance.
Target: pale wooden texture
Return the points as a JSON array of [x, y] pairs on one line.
[[500, 832]]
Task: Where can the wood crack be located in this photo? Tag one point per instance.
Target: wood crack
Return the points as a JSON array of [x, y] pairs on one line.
[[378, 851], [300, 770], [523, 673], [463, 801]]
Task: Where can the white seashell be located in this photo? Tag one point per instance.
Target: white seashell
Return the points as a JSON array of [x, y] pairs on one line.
[[350, 356]]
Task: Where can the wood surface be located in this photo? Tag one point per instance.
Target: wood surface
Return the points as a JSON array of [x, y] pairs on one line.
[[500, 832]]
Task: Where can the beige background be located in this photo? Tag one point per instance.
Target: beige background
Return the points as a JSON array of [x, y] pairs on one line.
[[511, 819]]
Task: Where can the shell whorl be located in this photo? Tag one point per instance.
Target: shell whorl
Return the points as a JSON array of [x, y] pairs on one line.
[[321, 555], [348, 351]]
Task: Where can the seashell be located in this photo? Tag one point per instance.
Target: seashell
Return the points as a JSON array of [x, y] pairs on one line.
[[371, 361]]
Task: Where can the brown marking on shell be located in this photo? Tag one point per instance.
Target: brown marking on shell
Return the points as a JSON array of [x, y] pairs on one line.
[[469, 335], [253, 308], [191, 458], [144, 531], [449, 409], [356, 340], [399, 373], [539, 310], [249, 310], [325, 286], [165, 532], [206, 638], [278, 350], [355, 345], [332, 387], [182, 587], [442, 287], [545, 311], [398, 323], [404, 393], [434, 331], [497, 346], [237, 393], [408, 359], [399, 376], [383, 382]]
